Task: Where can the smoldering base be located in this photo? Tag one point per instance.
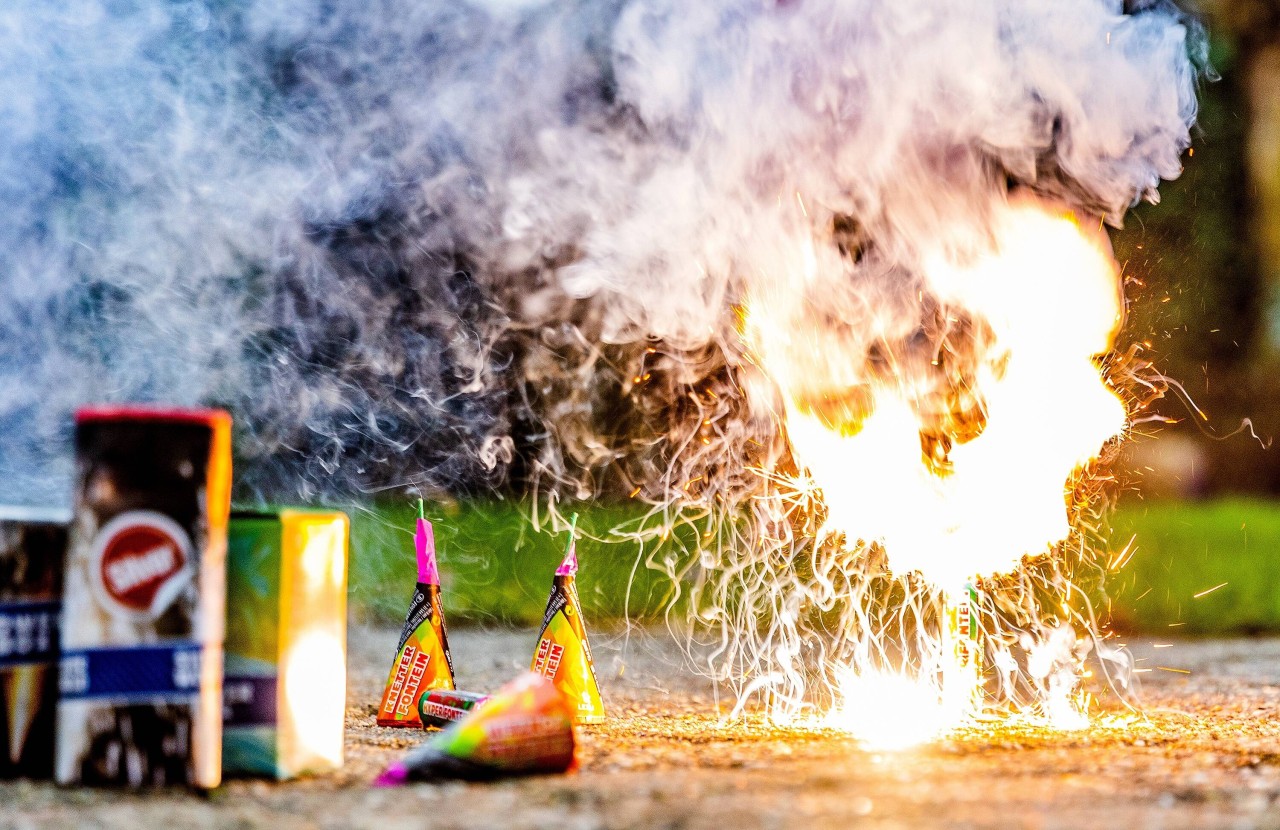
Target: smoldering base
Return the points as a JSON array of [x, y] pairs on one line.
[[465, 246]]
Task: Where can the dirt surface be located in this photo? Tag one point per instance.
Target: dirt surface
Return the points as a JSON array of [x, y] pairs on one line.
[[1206, 754]]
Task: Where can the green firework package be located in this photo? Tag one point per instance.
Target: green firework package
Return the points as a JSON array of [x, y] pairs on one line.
[[143, 604], [33, 544], [285, 686]]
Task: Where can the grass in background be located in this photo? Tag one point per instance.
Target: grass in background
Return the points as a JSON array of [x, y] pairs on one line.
[[1185, 549], [497, 568]]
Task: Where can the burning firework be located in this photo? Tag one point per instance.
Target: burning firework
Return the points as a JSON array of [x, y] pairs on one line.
[[826, 281]]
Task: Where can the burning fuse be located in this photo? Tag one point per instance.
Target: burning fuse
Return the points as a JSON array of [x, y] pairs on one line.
[[32, 548], [284, 690], [142, 616]]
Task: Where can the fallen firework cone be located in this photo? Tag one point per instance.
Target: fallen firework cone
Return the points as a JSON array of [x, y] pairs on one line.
[[524, 729]]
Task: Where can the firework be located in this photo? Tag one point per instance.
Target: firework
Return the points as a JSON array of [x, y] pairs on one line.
[[524, 729], [143, 610], [440, 707], [422, 659], [32, 547], [563, 653], [284, 692]]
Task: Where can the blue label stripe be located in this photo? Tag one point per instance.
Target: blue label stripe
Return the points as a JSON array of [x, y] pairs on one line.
[[28, 632], [171, 670]]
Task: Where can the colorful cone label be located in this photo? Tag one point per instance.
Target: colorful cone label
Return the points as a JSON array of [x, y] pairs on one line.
[[422, 659], [563, 654], [440, 707], [524, 729]]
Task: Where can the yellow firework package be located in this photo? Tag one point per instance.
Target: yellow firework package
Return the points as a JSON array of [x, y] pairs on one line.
[[284, 686], [422, 659], [563, 654]]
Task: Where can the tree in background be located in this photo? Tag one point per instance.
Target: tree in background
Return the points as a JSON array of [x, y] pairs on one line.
[[1204, 267]]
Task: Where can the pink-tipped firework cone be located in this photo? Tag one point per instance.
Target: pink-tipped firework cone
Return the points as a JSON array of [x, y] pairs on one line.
[[422, 660], [563, 654]]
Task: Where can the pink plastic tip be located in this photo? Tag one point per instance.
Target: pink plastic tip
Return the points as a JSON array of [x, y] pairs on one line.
[[395, 776], [569, 566], [424, 540]]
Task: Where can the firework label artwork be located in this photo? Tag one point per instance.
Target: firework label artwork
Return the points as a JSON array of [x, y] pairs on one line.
[[408, 679], [28, 632], [167, 671], [547, 661], [441, 707], [143, 560], [249, 701], [422, 661]]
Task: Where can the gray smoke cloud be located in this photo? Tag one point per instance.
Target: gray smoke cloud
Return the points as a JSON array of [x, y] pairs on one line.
[[442, 246]]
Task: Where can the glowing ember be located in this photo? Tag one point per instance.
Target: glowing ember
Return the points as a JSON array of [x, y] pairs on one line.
[[952, 444], [890, 711]]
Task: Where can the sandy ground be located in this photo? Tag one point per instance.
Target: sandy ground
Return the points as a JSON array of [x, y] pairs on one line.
[[1207, 754]]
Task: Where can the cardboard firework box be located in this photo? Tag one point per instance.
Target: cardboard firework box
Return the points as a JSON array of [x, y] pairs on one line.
[[32, 546], [140, 699], [284, 689]]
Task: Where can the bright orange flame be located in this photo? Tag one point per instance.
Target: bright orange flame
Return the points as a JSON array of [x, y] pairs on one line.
[[1049, 292], [958, 464]]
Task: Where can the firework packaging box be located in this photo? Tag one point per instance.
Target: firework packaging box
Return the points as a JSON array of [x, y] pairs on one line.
[[524, 729], [284, 689], [422, 661], [563, 654], [143, 607], [440, 707], [33, 545]]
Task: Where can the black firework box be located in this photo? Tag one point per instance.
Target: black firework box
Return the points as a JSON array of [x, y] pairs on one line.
[[140, 685], [33, 543]]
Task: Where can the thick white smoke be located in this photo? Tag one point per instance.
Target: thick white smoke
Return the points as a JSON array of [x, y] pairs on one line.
[[343, 220]]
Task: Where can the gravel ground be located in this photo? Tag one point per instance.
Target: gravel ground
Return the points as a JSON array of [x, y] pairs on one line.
[[1207, 754]]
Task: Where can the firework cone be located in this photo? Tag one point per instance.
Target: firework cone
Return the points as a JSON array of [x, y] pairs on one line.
[[422, 660], [563, 654], [524, 729]]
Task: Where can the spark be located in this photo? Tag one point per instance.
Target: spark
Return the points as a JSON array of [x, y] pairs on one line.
[[1208, 591]]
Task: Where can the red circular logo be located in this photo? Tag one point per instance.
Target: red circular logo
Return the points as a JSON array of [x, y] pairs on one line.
[[140, 553]]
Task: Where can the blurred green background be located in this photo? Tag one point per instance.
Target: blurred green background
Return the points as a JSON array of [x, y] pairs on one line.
[[1199, 510], [1194, 567]]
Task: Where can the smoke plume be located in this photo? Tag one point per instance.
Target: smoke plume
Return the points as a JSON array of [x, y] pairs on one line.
[[449, 246]]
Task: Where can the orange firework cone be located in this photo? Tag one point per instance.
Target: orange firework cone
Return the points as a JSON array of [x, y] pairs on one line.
[[563, 653], [422, 659]]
